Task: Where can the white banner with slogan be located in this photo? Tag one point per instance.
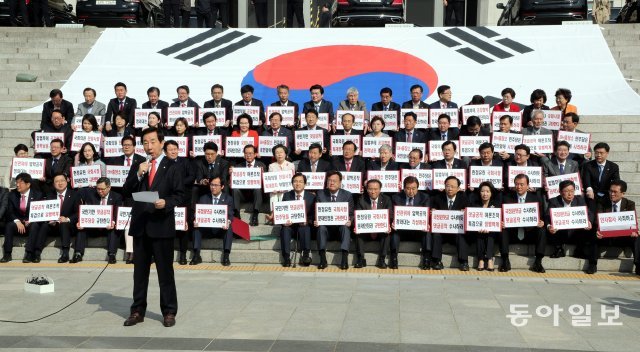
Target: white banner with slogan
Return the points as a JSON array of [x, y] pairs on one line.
[[435, 150], [371, 146], [569, 218], [117, 175], [85, 176], [174, 113], [337, 141], [411, 218], [199, 141], [266, 144], [468, 145], [234, 146], [552, 119], [219, 113], [211, 215], [534, 173], [246, 178], [123, 218], [352, 181], [440, 175], [371, 221], [390, 180], [288, 114], [31, 166], [77, 122], [80, 138], [277, 181], [42, 141], [579, 141], [447, 221], [358, 122], [483, 111], [479, 174], [323, 121], [434, 114], [477, 219], [422, 114], [292, 211], [315, 180], [617, 224], [183, 145], [403, 149], [425, 177], [95, 216], [552, 184], [253, 111], [332, 213], [521, 214], [141, 117], [305, 138], [44, 210], [539, 144], [505, 142], [516, 116]]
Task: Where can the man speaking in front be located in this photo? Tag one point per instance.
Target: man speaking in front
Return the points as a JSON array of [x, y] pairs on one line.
[[153, 228]]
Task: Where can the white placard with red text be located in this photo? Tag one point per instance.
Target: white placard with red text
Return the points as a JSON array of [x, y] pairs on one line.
[[42, 141], [174, 113], [352, 181], [390, 119], [521, 214], [253, 111], [180, 218], [31, 166], [390, 180], [323, 121], [371, 146], [289, 211], [447, 221], [85, 176], [288, 114], [315, 180], [579, 141], [234, 146], [483, 111], [141, 117], [77, 122], [219, 113], [411, 218], [552, 119], [618, 224], [80, 138], [44, 210], [358, 122], [183, 145], [403, 149], [517, 120], [337, 141], [435, 150], [95, 216], [123, 220], [539, 144], [435, 113], [476, 219], [111, 147], [422, 114], [266, 144], [246, 178], [117, 174], [468, 145], [425, 177], [210, 215], [198, 143], [332, 213], [277, 181], [568, 218], [140, 148], [479, 174], [371, 221], [552, 184], [534, 173], [440, 175], [305, 138], [505, 142]]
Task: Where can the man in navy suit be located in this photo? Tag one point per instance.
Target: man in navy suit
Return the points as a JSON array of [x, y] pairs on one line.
[[597, 175], [183, 100], [314, 163], [120, 103], [412, 197], [128, 157], [18, 221], [347, 126], [302, 230], [283, 100], [449, 161], [334, 193], [348, 161], [217, 91], [444, 102], [451, 199], [153, 228], [154, 102], [416, 102], [373, 199], [318, 103], [385, 103], [409, 134], [276, 130], [215, 197], [101, 196], [56, 103], [65, 226], [248, 100], [444, 132]]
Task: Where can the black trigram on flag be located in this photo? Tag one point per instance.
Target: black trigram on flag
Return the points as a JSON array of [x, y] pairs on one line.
[[476, 48], [202, 50]]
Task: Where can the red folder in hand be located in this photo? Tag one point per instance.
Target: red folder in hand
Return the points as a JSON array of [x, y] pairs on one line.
[[241, 228]]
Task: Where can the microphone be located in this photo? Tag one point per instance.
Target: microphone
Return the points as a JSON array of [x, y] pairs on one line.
[[147, 161]]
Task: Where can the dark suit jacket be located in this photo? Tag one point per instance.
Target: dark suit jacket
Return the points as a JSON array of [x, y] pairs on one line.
[[383, 202], [113, 198], [325, 139], [590, 172], [256, 163], [254, 102], [14, 205], [325, 107], [190, 104], [420, 200], [324, 196], [550, 166], [47, 108], [323, 166], [604, 206], [409, 105], [120, 161], [220, 169], [422, 166], [494, 162], [465, 132], [374, 165], [202, 131], [225, 199], [442, 164], [162, 105], [353, 132], [145, 219], [309, 204], [224, 103], [113, 107], [357, 164], [66, 129], [436, 105], [282, 132], [416, 136], [70, 205], [296, 110], [63, 165], [441, 202], [393, 106], [436, 135]]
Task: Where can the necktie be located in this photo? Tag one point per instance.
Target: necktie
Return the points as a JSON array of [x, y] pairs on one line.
[[333, 198], [211, 133], [444, 136], [450, 204], [215, 200], [246, 103], [23, 204], [317, 106], [313, 167], [448, 165], [537, 132], [53, 163], [275, 133], [443, 106], [348, 165], [353, 107], [520, 229], [218, 105], [249, 165], [561, 169], [152, 172], [298, 197], [410, 202], [374, 205], [61, 199], [183, 105], [90, 109], [103, 201], [614, 208], [601, 168], [210, 167], [128, 161], [386, 108], [121, 105], [409, 139]]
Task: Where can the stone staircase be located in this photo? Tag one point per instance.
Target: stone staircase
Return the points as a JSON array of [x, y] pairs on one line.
[[53, 54]]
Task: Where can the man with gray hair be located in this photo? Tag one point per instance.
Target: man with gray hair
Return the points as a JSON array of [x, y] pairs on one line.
[[384, 163]]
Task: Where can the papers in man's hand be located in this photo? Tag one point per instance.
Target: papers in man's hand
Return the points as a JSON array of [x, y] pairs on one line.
[[146, 197]]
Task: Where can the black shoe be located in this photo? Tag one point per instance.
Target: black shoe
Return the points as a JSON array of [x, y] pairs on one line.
[[112, 259], [225, 259], [359, 262], [197, 259], [538, 268], [36, 258], [344, 262], [129, 259], [437, 265], [464, 266], [505, 265], [592, 269], [254, 220], [323, 260], [63, 258], [6, 258], [637, 267], [305, 259], [286, 262], [380, 263], [27, 258], [77, 258], [558, 253], [182, 260], [393, 261], [425, 264]]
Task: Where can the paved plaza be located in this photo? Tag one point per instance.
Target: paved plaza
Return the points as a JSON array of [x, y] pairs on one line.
[[265, 308]]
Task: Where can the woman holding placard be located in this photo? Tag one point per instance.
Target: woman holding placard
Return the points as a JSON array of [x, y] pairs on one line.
[[377, 125], [121, 129], [245, 125], [89, 156], [281, 164], [487, 197]]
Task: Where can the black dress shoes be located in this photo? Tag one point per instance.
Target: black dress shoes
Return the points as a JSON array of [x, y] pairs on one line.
[[393, 261], [592, 269], [28, 258], [6, 258], [380, 263], [360, 263], [538, 268], [197, 259], [558, 253], [305, 259], [323, 260], [169, 320], [182, 258], [464, 266], [637, 267], [112, 259], [425, 264], [77, 258], [286, 262], [505, 266], [63, 258], [344, 262], [134, 319], [128, 259], [225, 260], [254, 220], [437, 265], [36, 258]]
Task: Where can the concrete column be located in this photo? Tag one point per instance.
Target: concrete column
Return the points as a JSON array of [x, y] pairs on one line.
[[438, 13], [243, 13]]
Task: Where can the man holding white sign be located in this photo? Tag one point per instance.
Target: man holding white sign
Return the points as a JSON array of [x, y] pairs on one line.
[[582, 236], [283, 101], [411, 197], [334, 193], [409, 134], [65, 226], [374, 200], [252, 195], [451, 199], [302, 230], [56, 163]]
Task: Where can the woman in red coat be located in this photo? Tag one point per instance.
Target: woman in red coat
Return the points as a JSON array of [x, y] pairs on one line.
[[245, 123], [507, 99]]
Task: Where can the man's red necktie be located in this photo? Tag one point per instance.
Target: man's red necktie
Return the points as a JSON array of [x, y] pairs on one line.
[[152, 172]]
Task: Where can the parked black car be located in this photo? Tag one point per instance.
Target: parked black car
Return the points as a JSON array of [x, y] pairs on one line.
[[526, 12], [368, 12], [108, 13], [59, 11]]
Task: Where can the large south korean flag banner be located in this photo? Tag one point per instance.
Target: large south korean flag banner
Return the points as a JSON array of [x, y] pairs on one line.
[[300, 58]]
